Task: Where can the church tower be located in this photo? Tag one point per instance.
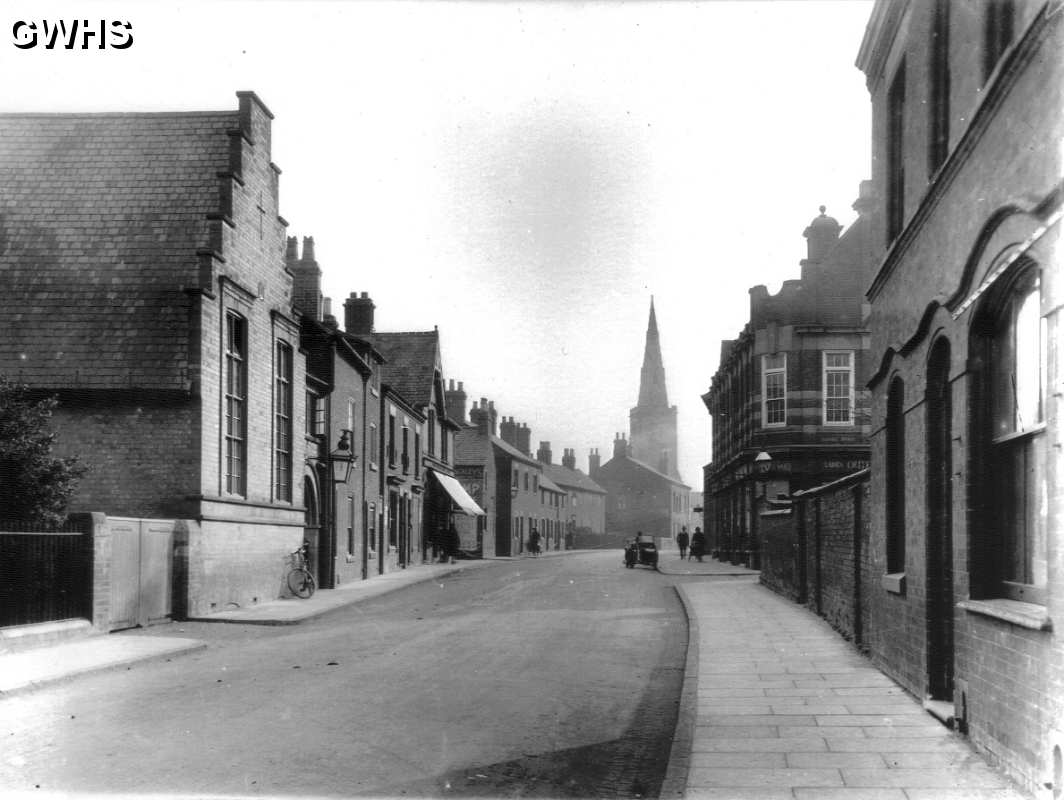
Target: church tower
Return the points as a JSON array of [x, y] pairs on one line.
[[653, 420]]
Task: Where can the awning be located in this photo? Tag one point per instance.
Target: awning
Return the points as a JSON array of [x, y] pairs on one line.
[[466, 504]]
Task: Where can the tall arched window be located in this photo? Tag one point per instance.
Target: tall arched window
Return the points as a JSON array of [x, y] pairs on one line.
[[1013, 396], [895, 475]]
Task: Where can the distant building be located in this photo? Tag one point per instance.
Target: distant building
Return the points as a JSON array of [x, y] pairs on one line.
[[584, 505], [504, 480], [788, 402], [640, 498], [967, 483], [144, 282], [644, 489]]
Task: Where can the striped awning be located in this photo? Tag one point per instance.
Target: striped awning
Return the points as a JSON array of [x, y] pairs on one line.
[[466, 504]]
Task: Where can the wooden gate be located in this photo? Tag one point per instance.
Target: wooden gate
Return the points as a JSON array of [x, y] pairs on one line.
[[141, 571]]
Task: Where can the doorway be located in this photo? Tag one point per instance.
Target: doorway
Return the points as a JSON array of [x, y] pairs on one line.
[[939, 525]]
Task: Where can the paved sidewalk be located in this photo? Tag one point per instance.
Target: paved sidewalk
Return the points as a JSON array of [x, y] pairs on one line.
[[292, 610], [670, 563], [31, 669], [779, 707]]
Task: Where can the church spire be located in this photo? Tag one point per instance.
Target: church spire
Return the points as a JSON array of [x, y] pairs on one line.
[[652, 393]]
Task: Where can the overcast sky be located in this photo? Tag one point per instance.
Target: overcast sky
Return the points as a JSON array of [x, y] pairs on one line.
[[522, 175]]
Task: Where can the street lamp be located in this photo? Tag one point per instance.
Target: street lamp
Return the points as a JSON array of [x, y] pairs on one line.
[[342, 459]]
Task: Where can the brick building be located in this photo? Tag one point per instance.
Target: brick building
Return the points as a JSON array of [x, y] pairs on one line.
[[504, 479], [145, 284], [419, 491], [788, 405], [967, 488], [343, 411], [640, 498], [584, 504]]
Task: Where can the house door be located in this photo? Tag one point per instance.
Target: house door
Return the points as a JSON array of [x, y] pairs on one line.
[[142, 566], [311, 522], [939, 526]]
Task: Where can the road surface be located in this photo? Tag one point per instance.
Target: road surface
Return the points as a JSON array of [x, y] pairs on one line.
[[549, 677]]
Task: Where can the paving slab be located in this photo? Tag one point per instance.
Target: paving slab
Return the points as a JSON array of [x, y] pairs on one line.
[[785, 708], [30, 669]]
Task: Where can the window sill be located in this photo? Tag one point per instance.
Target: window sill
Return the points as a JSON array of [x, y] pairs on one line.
[[894, 582], [1025, 615]]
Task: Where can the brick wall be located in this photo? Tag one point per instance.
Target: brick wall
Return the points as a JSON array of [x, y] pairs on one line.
[[817, 553], [140, 454]]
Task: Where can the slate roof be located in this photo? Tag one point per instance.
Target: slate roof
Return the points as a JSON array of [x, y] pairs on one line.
[[410, 362], [100, 219], [470, 447], [646, 467], [546, 483], [574, 478]]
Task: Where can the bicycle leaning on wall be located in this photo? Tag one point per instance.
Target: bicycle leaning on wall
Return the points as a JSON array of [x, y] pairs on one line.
[[300, 580]]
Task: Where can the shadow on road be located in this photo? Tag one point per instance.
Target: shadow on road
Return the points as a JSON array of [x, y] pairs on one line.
[[631, 766]]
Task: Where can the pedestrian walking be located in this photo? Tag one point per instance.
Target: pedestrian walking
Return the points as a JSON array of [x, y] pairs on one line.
[[698, 544], [682, 540], [533, 542]]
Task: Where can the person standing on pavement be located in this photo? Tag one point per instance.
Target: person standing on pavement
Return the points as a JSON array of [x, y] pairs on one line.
[[533, 542], [682, 540], [698, 544]]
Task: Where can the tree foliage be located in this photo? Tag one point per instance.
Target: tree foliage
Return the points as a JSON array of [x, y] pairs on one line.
[[34, 486]]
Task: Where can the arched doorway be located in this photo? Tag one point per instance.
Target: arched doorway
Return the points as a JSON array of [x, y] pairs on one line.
[[311, 521], [939, 525]]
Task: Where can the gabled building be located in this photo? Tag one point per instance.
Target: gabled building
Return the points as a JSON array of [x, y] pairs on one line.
[[420, 491], [504, 480], [967, 481], [640, 498], [584, 504], [144, 282], [788, 402]]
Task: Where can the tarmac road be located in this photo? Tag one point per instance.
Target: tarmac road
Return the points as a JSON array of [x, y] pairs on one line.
[[552, 677]]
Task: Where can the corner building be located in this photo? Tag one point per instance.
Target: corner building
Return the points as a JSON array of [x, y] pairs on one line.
[[967, 492], [788, 402]]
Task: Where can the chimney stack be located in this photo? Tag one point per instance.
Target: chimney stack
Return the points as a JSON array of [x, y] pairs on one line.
[[306, 278], [543, 455], [291, 253], [507, 431], [524, 439], [454, 401], [358, 314], [594, 461], [569, 458], [620, 446], [493, 416], [480, 418]]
